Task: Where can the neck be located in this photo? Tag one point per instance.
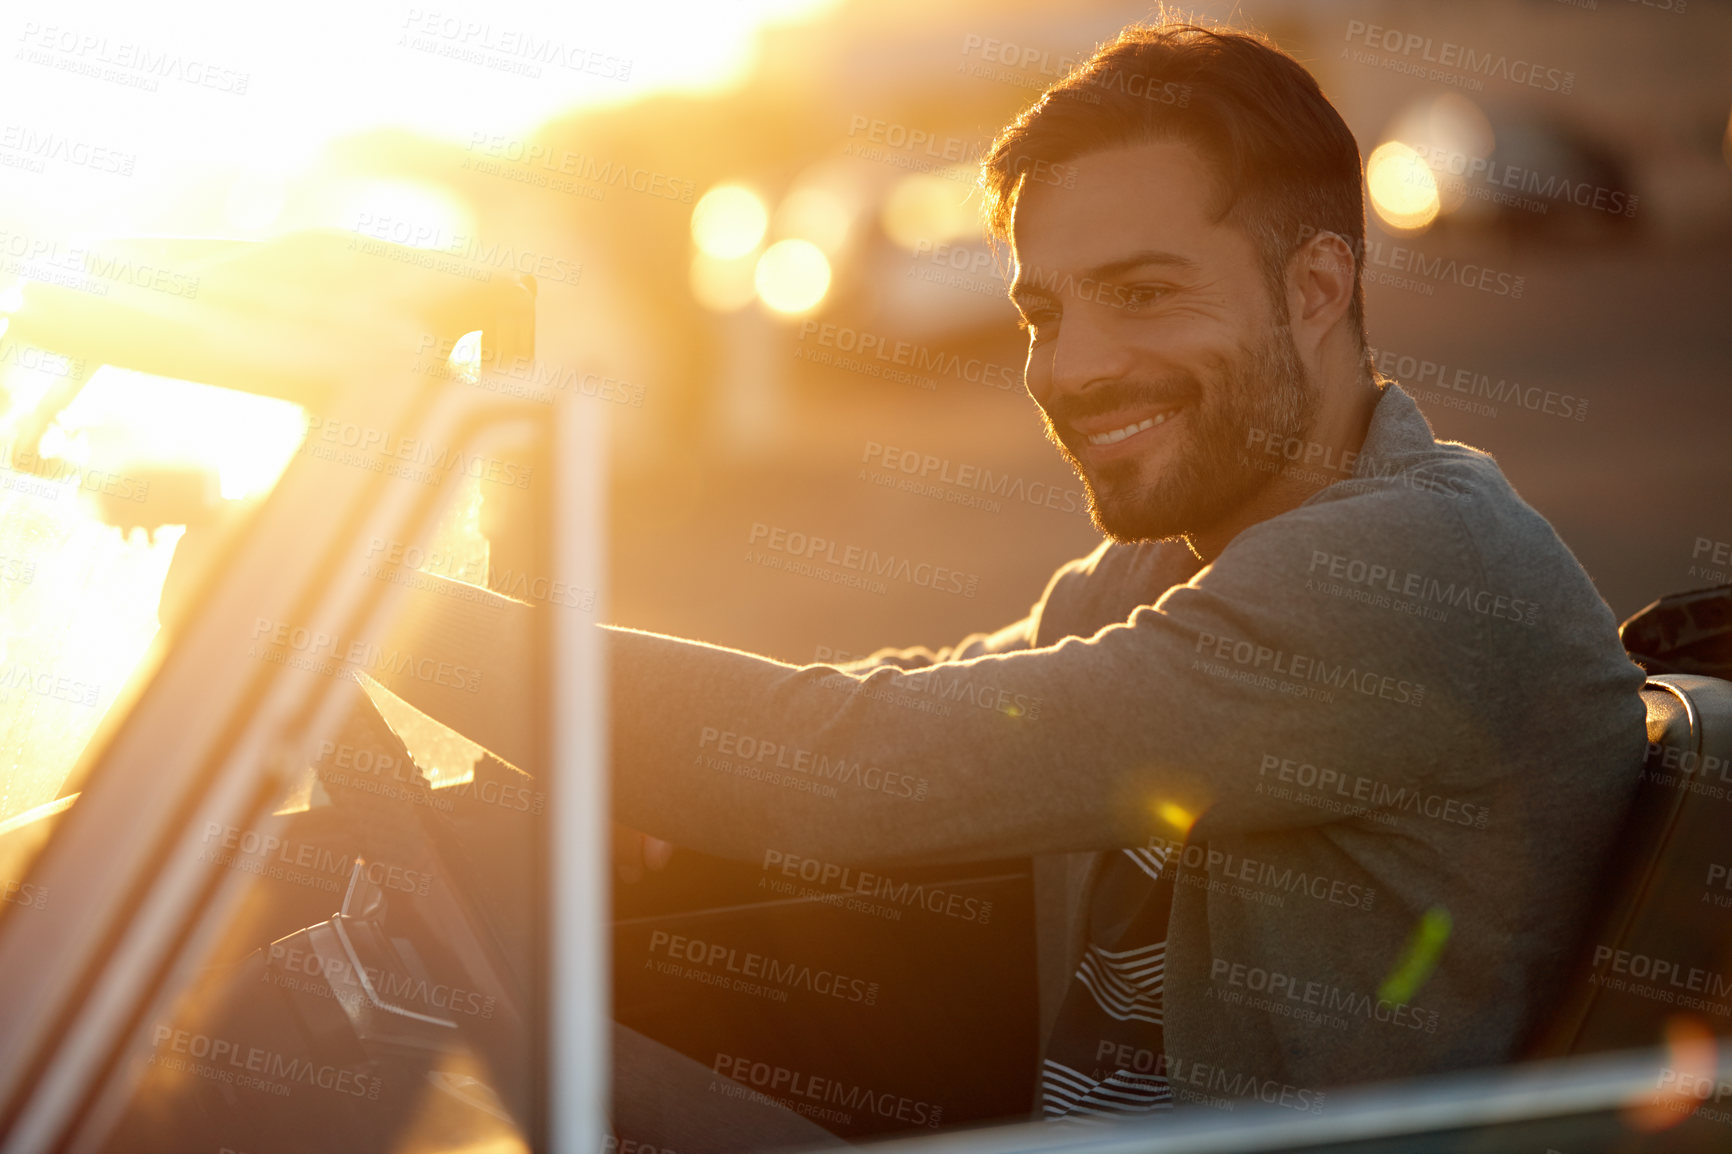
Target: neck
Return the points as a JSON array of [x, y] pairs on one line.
[[1339, 429]]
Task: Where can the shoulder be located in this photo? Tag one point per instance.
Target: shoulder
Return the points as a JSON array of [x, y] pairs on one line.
[[1107, 585]]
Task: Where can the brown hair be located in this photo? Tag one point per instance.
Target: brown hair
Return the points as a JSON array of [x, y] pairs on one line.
[[1286, 164]]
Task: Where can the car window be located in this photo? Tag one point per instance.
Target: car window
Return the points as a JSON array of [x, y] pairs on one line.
[[373, 980], [371, 973], [117, 491]]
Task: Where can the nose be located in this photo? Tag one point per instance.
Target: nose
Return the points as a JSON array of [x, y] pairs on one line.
[[1085, 355]]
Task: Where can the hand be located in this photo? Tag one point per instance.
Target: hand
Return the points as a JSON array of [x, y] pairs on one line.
[[634, 851]]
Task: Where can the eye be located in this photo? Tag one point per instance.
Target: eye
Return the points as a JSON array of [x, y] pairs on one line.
[[1041, 324], [1142, 295]]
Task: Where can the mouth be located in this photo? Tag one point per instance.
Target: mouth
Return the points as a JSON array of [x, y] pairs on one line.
[[1116, 429]]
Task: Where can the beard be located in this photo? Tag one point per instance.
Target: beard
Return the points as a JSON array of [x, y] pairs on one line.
[[1208, 473]]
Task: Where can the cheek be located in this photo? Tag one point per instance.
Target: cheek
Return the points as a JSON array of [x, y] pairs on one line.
[[1037, 373]]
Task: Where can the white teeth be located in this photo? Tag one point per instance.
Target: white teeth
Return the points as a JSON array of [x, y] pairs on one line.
[[1118, 435]]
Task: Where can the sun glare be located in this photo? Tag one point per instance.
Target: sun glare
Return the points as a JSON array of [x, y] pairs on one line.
[[127, 421]]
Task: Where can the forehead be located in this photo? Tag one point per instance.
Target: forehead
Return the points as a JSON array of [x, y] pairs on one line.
[[1152, 196]]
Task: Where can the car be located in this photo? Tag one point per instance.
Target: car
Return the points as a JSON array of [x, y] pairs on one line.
[[323, 863]]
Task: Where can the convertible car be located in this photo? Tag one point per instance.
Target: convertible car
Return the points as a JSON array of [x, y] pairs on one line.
[[306, 841]]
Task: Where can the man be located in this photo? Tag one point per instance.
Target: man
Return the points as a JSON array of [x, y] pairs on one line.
[[1343, 727]]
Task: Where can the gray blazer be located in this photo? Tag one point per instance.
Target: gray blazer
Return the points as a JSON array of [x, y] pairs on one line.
[[1393, 728]]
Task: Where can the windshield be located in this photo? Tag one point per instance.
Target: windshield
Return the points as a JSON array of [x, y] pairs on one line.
[[119, 489]]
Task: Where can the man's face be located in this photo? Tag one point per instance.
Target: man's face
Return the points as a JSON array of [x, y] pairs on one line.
[[1154, 346]]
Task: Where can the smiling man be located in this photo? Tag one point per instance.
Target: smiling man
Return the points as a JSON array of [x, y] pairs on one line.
[[1334, 731]]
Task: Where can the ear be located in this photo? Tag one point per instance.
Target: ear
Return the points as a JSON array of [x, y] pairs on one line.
[[1320, 283]]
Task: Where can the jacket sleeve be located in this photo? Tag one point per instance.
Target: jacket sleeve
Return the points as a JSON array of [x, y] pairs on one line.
[[1202, 705]]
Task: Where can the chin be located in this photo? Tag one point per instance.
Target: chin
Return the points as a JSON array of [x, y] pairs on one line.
[[1172, 508]]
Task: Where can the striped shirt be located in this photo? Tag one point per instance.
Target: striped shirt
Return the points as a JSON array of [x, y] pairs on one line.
[[1104, 1057]]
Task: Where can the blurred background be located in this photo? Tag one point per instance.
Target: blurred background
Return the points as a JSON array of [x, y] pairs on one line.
[[756, 230]]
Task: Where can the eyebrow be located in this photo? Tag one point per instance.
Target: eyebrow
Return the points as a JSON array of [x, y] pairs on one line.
[[1020, 291]]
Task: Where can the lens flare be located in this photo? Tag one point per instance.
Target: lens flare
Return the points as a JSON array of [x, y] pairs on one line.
[[1688, 1079], [1402, 186]]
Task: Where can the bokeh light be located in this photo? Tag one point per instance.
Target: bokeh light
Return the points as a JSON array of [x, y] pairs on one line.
[[1688, 1078], [729, 221], [1403, 189], [1454, 138], [723, 286], [931, 208], [817, 214], [792, 276]]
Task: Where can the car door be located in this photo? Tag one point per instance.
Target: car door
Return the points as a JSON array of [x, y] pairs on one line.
[[266, 900]]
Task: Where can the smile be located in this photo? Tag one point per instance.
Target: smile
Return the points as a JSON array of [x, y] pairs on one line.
[[1114, 436]]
